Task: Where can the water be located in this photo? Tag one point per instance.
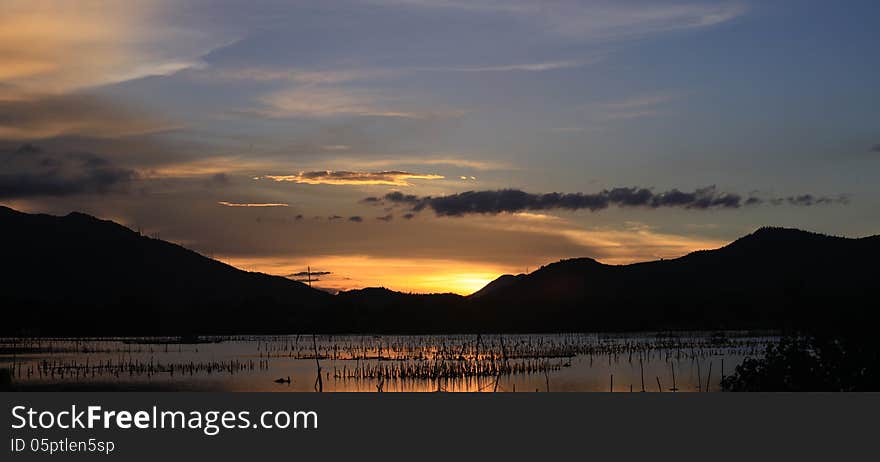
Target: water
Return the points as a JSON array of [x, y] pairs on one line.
[[554, 362]]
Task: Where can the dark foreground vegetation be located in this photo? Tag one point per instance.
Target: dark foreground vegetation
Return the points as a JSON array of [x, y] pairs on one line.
[[841, 361]]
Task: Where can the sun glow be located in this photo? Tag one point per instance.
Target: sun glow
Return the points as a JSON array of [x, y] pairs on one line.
[[358, 271]]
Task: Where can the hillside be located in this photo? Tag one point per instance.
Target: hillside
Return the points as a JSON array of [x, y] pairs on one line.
[[79, 274], [774, 277]]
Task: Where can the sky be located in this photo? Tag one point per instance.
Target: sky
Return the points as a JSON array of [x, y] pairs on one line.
[[433, 145]]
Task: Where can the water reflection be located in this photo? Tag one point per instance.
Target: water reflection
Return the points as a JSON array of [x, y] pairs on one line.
[[693, 361]]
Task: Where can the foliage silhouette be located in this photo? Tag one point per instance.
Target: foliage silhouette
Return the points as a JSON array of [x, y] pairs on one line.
[[841, 361]]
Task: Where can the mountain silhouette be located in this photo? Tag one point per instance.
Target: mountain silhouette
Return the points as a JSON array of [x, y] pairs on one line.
[[774, 277], [503, 281], [380, 310], [78, 275]]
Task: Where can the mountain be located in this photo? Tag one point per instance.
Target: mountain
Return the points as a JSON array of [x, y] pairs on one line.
[[502, 282], [773, 278], [380, 310], [78, 274]]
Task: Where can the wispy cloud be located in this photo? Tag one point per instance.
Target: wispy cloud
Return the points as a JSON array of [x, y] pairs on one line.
[[630, 243], [256, 204], [634, 107], [451, 160], [112, 43], [28, 116], [599, 19], [206, 166], [388, 178], [523, 67], [335, 147], [328, 77], [639, 101], [312, 101], [302, 76]]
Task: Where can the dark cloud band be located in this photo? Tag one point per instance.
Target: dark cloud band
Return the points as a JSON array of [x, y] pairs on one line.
[[31, 172], [303, 274], [514, 200]]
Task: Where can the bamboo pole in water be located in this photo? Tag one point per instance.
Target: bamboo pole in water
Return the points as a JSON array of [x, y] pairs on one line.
[[642, 370], [674, 387], [709, 376], [699, 377], [547, 378], [319, 384]]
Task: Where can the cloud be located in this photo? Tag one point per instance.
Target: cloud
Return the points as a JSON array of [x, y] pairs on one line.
[[632, 243], [258, 204], [308, 273], [327, 77], [305, 77], [356, 219], [596, 20], [33, 116], [388, 178], [807, 200], [202, 167], [639, 101], [526, 67], [321, 102], [308, 276], [30, 172], [409, 216], [64, 46], [386, 218], [447, 160], [335, 147], [514, 200], [219, 179], [634, 107], [875, 148]]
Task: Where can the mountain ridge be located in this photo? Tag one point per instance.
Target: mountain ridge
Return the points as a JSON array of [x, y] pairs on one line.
[[101, 268], [81, 275]]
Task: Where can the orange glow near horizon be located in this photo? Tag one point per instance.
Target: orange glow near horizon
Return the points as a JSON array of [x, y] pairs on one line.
[[359, 271], [456, 276]]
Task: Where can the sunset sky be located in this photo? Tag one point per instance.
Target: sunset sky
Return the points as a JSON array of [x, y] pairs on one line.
[[432, 145]]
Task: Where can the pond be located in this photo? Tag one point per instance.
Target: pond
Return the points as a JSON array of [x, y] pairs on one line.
[[647, 361]]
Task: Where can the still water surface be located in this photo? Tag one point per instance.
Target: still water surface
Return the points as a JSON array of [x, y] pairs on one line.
[[682, 361]]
